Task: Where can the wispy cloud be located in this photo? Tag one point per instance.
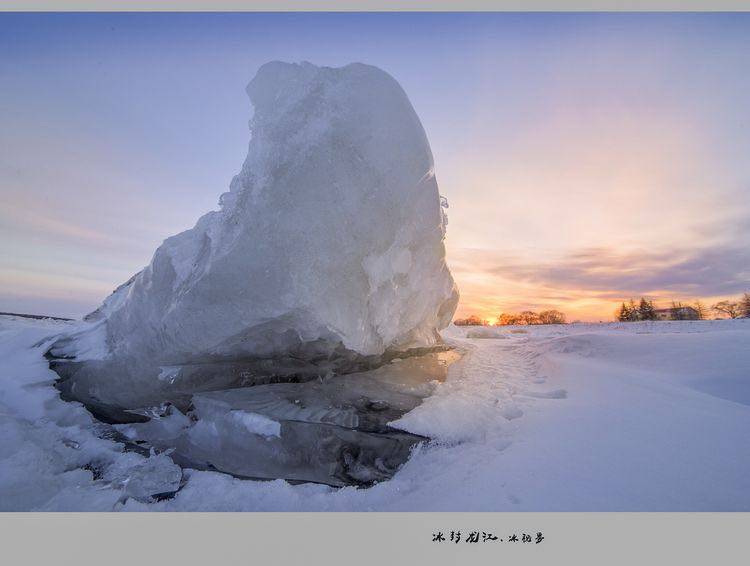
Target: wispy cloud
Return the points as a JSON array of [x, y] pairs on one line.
[[704, 272]]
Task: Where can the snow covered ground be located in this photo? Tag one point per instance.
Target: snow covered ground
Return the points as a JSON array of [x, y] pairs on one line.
[[612, 417]]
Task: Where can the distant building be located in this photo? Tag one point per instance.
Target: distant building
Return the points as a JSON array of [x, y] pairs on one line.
[[676, 313]]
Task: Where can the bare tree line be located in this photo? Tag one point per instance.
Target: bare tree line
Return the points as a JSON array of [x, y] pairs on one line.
[[551, 316], [734, 309], [645, 310]]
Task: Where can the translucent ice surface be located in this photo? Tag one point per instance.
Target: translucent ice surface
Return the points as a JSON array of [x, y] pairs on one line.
[[335, 431], [328, 246]]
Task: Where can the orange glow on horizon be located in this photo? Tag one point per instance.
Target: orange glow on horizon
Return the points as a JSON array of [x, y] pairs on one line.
[[582, 309]]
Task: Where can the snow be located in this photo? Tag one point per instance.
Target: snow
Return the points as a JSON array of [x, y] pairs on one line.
[[329, 241], [257, 424], [489, 332], [579, 417], [50, 450]]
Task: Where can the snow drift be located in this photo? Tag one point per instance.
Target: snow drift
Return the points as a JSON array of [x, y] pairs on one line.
[[656, 417], [328, 244]]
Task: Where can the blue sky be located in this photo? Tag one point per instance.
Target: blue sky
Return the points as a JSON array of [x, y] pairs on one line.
[[586, 158]]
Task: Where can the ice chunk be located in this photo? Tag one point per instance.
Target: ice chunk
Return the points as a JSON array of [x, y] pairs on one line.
[[149, 477], [328, 244]]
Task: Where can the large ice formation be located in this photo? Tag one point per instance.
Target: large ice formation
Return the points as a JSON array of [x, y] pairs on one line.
[[329, 244]]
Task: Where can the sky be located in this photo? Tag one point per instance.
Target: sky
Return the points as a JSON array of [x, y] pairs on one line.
[[587, 158]]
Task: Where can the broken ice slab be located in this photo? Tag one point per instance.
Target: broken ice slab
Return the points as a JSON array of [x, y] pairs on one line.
[[117, 401], [363, 400], [145, 478], [334, 431], [302, 451]]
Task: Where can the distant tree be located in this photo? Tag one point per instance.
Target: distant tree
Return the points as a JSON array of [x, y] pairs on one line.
[[633, 314], [472, 320], [551, 316], [700, 310], [745, 305], [730, 308], [507, 319], [623, 313], [689, 313], [528, 317], [646, 310], [676, 311]]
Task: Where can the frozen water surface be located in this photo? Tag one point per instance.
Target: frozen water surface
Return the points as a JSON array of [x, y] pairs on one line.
[[631, 433]]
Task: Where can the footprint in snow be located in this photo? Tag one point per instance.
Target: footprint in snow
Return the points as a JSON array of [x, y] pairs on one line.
[[511, 412]]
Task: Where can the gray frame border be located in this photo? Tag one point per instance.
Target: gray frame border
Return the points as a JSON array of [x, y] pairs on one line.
[[370, 538], [365, 539], [375, 5]]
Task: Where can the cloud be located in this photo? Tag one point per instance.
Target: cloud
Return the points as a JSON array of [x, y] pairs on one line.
[[711, 271]]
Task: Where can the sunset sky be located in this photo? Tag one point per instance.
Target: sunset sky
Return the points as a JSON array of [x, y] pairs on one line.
[[586, 158]]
